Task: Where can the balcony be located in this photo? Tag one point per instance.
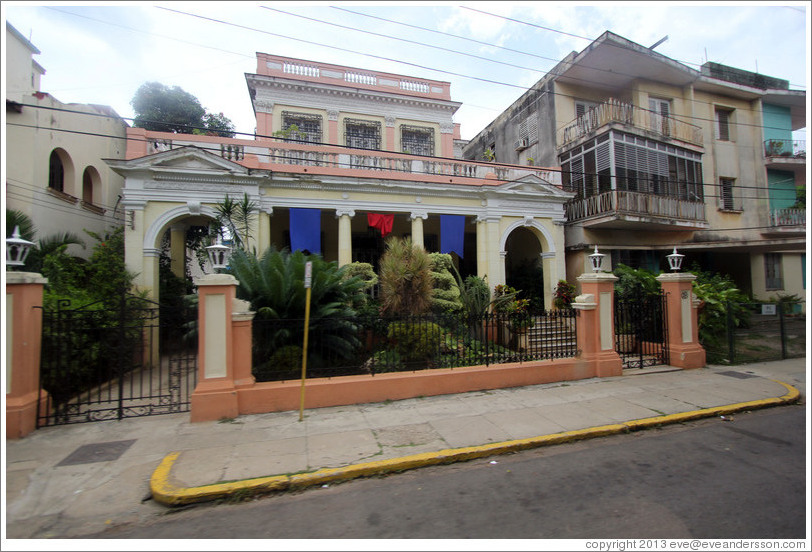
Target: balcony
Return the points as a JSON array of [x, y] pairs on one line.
[[628, 210], [786, 222], [280, 155], [785, 148], [615, 112]]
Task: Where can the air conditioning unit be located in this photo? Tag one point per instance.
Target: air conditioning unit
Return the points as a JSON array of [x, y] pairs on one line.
[[523, 143]]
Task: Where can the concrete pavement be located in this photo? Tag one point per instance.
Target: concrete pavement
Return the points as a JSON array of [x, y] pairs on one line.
[[76, 480]]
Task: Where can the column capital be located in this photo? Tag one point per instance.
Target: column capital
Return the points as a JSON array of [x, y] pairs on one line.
[[345, 211], [418, 214]]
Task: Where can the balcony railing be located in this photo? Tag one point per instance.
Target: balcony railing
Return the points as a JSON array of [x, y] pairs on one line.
[[278, 154], [780, 218], [785, 148], [622, 202], [615, 111]]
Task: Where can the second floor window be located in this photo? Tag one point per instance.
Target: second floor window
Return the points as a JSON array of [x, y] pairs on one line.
[[417, 140], [362, 134], [308, 127], [727, 194], [56, 173], [722, 124]]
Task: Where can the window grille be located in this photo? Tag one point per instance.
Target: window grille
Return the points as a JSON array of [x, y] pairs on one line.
[[772, 271], [727, 196], [417, 140], [723, 125], [362, 134], [309, 126]]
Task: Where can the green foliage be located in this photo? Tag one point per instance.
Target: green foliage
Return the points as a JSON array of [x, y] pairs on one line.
[[236, 217], [386, 360], [405, 276], [161, 108], [446, 292], [274, 285], [720, 299], [517, 310], [415, 340], [564, 295], [634, 283], [364, 271]]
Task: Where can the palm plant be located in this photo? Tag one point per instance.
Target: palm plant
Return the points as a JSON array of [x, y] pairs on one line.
[[274, 285], [405, 278]]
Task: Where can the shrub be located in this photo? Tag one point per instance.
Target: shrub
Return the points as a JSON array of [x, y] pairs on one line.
[[446, 293], [634, 283], [416, 340]]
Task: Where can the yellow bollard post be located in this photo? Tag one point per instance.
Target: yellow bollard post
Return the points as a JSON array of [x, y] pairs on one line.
[[308, 279]]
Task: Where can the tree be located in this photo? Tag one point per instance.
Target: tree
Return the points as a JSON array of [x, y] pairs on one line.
[[44, 246], [161, 108]]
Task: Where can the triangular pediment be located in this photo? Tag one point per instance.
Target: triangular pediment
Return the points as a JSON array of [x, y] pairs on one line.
[[185, 159], [532, 184]]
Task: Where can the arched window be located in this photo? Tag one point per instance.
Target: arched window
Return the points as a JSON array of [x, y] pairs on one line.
[[56, 173], [87, 186]]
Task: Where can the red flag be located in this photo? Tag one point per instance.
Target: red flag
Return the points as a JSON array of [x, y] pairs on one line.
[[381, 222]]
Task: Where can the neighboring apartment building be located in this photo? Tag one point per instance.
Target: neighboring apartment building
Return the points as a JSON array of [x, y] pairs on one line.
[[661, 155], [54, 171], [341, 159]]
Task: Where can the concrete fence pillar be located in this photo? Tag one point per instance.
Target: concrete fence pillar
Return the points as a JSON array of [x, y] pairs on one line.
[[684, 350], [241, 330], [215, 395], [596, 324], [23, 342]]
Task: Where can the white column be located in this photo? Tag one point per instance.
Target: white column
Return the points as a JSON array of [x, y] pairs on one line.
[[344, 217], [417, 227]]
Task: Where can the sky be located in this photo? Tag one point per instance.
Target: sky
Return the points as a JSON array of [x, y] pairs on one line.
[[101, 52]]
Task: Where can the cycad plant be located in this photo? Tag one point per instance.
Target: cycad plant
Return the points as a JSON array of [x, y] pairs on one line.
[[42, 247], [405, 278], [274, 285]]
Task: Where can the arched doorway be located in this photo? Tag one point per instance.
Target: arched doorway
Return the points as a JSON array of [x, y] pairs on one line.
[[523, 266]]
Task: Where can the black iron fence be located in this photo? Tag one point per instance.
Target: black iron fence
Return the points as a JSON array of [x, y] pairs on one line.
[[373, 345], [641, 332], [103, 362], [755, 332]]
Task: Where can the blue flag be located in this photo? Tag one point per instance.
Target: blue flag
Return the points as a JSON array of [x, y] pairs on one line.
[[305, 230], [452, 234]]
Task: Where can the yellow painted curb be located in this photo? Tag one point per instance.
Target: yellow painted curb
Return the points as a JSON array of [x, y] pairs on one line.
[[168, 493]]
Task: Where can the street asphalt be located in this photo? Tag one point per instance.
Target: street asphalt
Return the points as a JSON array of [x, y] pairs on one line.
[[70, 481]]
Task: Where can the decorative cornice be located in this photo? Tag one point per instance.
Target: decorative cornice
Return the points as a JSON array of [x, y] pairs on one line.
[[446, 128], [263, 105], [332, 115]]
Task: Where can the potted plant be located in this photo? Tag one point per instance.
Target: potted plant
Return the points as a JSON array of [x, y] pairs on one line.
[[564, 295]]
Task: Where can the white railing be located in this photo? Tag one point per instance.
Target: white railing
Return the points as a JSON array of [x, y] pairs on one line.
[[788, 217], [299, 69], [414, 86], [360, 78], [618, 201], [615, 111]]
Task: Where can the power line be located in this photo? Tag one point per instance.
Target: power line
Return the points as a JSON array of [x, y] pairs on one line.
[[461, 75], [565, 33]]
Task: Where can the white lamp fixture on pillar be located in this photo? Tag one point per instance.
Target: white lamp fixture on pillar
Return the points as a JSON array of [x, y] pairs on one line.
[[17, 249], [219, 254], [597, 260], [675, 260]]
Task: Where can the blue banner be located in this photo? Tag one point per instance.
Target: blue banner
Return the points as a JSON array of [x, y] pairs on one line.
[[452, 234], [305, 230]]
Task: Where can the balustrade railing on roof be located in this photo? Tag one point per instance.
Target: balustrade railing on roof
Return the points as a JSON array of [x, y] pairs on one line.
[[615, 111]]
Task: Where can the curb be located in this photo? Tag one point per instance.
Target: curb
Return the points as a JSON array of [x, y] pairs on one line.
[[168, 493]]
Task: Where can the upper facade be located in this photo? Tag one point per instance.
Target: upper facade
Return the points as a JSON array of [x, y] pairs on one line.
[[344, 158], [55, 171], [700, 159], [337, 105]]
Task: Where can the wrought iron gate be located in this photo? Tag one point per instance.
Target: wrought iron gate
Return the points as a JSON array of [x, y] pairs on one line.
[[641, 331], [102, 362]]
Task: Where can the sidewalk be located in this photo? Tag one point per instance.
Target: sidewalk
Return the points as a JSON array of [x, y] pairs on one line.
[[75, 480]]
